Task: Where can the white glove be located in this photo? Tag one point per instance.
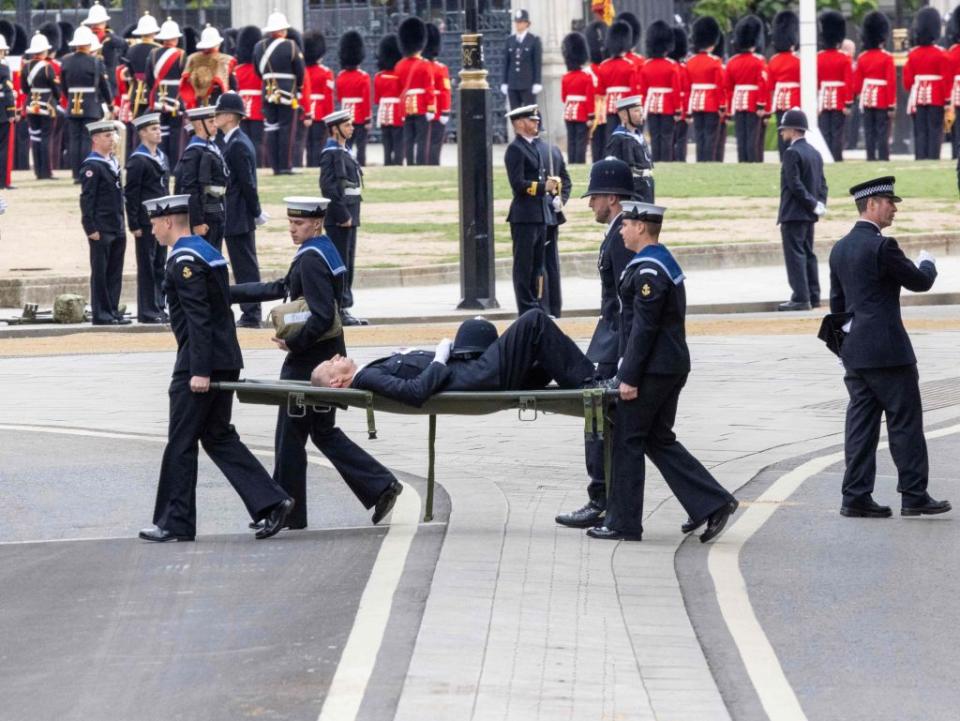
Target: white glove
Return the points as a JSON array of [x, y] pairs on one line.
[[442, 353], [430, 117], [924, 255], [537, 87], [503, 88], [3, 206], [444, 119], [820, 210], [262, 218], [557, 203]]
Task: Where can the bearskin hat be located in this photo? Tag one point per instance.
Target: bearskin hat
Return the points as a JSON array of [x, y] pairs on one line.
[[926, 26], [412, 35], [634, 22], [52, 32], [833, 28], [747, 34], [388, 54], [229, 42], [296, 36], [574, 50], [247, 39], [66, 32], [953, 26], [720, 50], [21, 40], [619, 38], [314, 46], [432, 49], [705, 33], [680, 45], [786, 31], [351, 49], [876, 29], [659, 39], [190, 38], [596, 35]]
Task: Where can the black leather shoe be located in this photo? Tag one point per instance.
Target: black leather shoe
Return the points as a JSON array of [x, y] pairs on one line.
[[248, 324], [386, 501], [610, 534], [158, 535], [718, 519], [793, 305], [122, 321], [257, 525], [691, 525], [867, 508], [347, 318], [815, 303], [587, 517], [605, 383], [275, 519], [930, 508], [149, 321]]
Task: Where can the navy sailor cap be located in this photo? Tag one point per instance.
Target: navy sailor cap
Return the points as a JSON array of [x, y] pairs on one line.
[[301, 206], [167, 205], [880, 187], [635, 210]]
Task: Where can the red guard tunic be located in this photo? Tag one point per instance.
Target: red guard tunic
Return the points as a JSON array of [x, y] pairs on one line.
[[249, 87], [954, 55], [661, 87], [707, 91], [353, 91], [875, 80], [317, 92], [834, 80], [416, 78], [783, 78], [442, 89], [578, 90], [684, 87], [616, 79], [747, 83], [386, 94], [927, 76], [635, 58]]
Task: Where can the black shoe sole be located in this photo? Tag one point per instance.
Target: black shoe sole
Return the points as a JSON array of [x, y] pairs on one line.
[[168, 539], [712, 533], [913, 512], [579, 524], [379, 515], [617, 537], [265, 533], [864, 513]]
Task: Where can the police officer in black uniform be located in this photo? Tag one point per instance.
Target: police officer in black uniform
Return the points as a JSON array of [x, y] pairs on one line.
[[626, 143], [101, 210], [522, 63], [551, 298], [341, 183], [86, 87], [653, 368], [38, 81], [529, 212], [198, 292], [315, 276], [202, 174], [611, 183], [867, 271], [148, 177]]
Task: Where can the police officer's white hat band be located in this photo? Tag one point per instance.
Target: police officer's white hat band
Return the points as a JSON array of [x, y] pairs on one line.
[[82, 36], [634, 101], [167, 205], [525, 111], [209, 38], [170, 30], [146, 119], [205, 111], [337, 117], [147, 25], [98, 15], [635, 210], [302, 206], [276, 22], [101, 126]]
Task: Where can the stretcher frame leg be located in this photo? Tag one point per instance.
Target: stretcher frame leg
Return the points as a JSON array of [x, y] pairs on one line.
[[431, 467]]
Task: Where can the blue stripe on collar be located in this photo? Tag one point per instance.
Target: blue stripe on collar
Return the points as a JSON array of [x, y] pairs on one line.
[[198, 246], [324, 247], [659, 255]]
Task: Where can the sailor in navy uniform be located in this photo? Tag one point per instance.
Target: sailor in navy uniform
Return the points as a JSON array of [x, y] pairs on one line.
[[101, 211], [202, 174], [529, 212], [315, 276], [867, 271], [198, 293], [627, 143], [341, 182], [523, 63], [610, 184], [653, 368], [148, 177]]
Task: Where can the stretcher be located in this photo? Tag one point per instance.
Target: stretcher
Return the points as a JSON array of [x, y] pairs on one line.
[[591, 404]]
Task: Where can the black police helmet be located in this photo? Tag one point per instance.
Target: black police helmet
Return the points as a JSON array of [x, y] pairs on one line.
[[795, 119], [474, 337], [610, 177], [231, 103]]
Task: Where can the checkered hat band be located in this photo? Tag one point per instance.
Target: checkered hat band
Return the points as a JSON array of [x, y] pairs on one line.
[[886, 188]]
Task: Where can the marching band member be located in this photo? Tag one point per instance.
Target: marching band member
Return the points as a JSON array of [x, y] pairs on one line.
[[40, 85], [87, 89], [164, 69]]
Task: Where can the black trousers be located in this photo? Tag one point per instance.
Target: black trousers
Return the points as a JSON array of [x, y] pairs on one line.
[[706, 133], [895, 392], [359, 141], [21, 148], [644, 427], [345, 241], [801, 263], [598, 143], [831, 124], [576, 142], [243, 259], [41, 127], [171, 132], [392, 144], [254, 130], [205, 418], [299, 140], [316, 138], [78, 144], [852, 128], [149, 277], [519, 98], [680, 132], [415, 132], [528, 250], [438, 132], [278, 129], [552, 300], [364, 475], [928, 132], [748, 129], [876, 133], [106, 275], [7, 135], [214, 235]]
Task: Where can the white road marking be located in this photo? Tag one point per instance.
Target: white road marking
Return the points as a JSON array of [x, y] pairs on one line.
[[760, 660]]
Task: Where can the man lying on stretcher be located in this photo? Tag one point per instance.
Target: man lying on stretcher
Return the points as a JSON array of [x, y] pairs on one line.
[[532, 352]]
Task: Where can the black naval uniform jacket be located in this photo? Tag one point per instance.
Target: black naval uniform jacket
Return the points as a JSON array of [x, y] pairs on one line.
[[84, 76], [654, 306], [8, 97], [802, 184], [202, 174], [135, 61], [527, 175], [198, 295], [101, 199], [867, 271], [523, 62], [340, 182], [613, 260], [147, 178], [631, 147], [242, 203], [285, 59], [42, 80]]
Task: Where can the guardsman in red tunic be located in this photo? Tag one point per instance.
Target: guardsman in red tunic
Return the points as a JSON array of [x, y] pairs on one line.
[[747, 93], [317, 100], [928, 77], [443, 95], [617, 76], [783, 70], [679, 56], [834, 82], [353, 90], [706, 103], [386, 94], [596, 35], [637, 33], [250, 88], [659, 86], [875, 81], [416, 76], [578, 89], [953, 53]]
